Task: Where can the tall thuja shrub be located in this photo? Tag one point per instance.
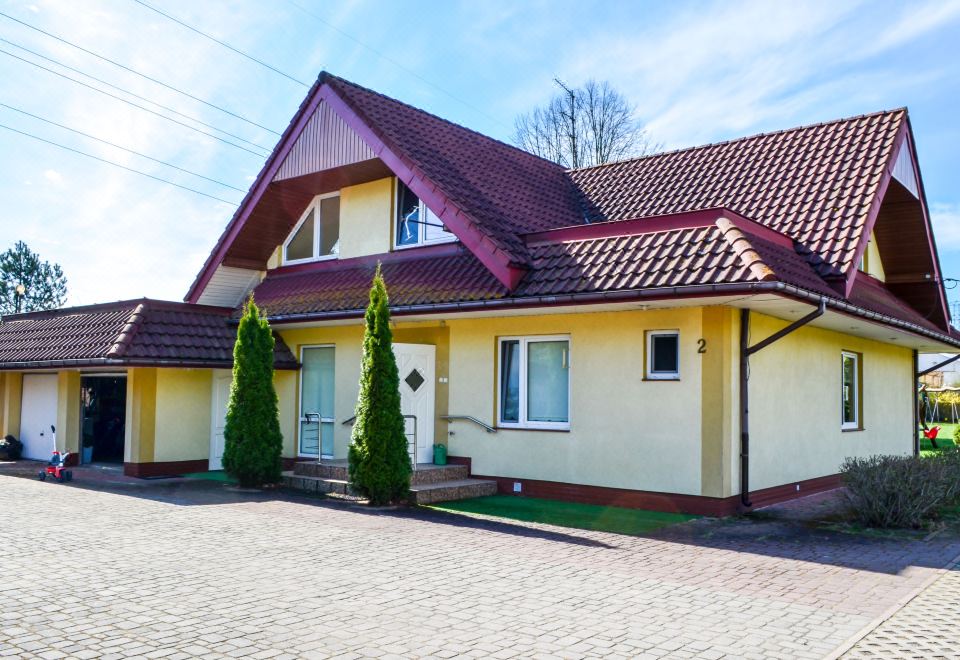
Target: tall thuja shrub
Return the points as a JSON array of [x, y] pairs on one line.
[[252, 438], [379, 463]]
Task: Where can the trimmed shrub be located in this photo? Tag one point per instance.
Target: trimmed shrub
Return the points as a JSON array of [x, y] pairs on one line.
[[252, 439], [379, 464], [901, 491]]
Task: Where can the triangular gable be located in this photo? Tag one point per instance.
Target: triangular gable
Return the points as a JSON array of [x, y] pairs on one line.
[[902, 169], [325, 142], [292, 155]]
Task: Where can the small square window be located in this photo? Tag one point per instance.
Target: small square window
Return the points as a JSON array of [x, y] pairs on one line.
[[663, 355]]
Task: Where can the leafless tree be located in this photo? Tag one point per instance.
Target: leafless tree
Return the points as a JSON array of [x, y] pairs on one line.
[[583, 126]]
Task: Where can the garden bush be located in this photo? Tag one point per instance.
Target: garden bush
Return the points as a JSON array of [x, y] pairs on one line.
[[901, 491]]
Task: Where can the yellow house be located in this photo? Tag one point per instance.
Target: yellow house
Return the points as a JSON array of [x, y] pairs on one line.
[[701, 330]]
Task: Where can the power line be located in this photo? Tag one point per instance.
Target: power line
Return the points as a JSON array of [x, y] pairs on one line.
[[117, 146], [133, 94], [131, 103], [222, 43], [133, 71], [394, 62], [110, 162]]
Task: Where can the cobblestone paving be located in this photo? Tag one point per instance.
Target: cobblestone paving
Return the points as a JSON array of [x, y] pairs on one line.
[[927, 627], [195, 570]]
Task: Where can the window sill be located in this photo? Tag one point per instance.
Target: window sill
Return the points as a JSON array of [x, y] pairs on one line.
[[852, 429], [311, 260], [538, 429], [425, 244], [672, 379]]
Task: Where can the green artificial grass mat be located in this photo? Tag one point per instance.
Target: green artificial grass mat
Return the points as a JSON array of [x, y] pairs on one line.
[[213, 475], [566, 514]]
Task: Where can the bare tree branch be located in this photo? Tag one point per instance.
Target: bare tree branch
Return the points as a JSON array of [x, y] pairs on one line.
[[583, 126]]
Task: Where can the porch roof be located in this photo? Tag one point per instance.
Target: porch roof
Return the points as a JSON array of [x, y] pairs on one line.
[[141, 332]]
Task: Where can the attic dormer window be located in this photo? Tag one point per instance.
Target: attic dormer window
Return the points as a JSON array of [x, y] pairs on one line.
[[317, 235], [416, 224]]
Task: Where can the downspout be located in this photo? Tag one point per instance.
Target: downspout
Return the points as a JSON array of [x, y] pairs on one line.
[[745, 352], [916, 406]]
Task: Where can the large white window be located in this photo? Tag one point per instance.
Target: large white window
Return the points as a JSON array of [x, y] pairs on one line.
[[850, 391], [663, 355], [316, 401], [416, 224], [317, 235], [534, 389]]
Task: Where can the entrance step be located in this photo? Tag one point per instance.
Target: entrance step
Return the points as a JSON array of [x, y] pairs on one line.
[[310, 484], [445, 491], [424, 474], [433, 485]]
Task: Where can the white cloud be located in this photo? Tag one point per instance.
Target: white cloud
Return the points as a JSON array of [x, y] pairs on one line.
[[53, 176], [946, 226]]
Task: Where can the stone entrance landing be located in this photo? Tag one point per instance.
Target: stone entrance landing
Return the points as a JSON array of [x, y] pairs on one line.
[[428, 483]]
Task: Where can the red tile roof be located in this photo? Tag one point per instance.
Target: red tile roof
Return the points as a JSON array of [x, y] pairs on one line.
[[427, 280], [130, 332], [814, 184], [504, 190]]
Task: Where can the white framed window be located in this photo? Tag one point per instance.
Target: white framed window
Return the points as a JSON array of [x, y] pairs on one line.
[[316, 236], [850, 391], [663, 355], [415, 223], [317, 389], [534, 387]]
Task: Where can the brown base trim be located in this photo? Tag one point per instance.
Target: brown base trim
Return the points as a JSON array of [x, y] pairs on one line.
[[461, 460], [654, 501], [288, 463], [165, 468]]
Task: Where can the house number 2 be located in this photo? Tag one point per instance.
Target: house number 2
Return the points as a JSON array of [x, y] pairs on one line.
[[701, 345]]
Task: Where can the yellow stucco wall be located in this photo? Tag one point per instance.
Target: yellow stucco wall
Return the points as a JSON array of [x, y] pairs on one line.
[[141, 415], [872, 262], [625, 432], [285, 383], [183, 411], [10, 403], [365, 213], [68, 410], [795, 403]]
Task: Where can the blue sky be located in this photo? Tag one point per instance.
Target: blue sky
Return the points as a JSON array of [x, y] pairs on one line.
[[697, 71]]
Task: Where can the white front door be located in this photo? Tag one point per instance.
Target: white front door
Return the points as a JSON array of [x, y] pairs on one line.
[[38, 412], [221, 395], [417, 366]]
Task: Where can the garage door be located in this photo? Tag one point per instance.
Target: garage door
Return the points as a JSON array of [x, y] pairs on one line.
[[37, 413]]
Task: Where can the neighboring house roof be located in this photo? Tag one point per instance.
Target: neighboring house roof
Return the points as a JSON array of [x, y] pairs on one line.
[[141, 332]]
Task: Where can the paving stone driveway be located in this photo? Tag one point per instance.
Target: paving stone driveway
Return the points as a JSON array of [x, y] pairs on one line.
[[192, 569]]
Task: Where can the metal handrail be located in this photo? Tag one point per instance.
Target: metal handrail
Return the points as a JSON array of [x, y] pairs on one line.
[[468, 418], [411, 444]]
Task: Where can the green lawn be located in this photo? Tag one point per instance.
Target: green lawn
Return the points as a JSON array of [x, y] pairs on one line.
[[566, 514], [213, 475], [944, 439]]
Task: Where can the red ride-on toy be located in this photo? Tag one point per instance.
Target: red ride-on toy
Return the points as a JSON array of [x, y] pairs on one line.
[[57, 467]]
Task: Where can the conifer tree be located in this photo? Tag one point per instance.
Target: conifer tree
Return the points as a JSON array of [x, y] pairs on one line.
[[252, 439], [379, 462]]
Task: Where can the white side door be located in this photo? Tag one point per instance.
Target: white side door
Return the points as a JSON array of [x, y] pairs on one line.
[[417, 366], [38, 412], [221, 395]]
